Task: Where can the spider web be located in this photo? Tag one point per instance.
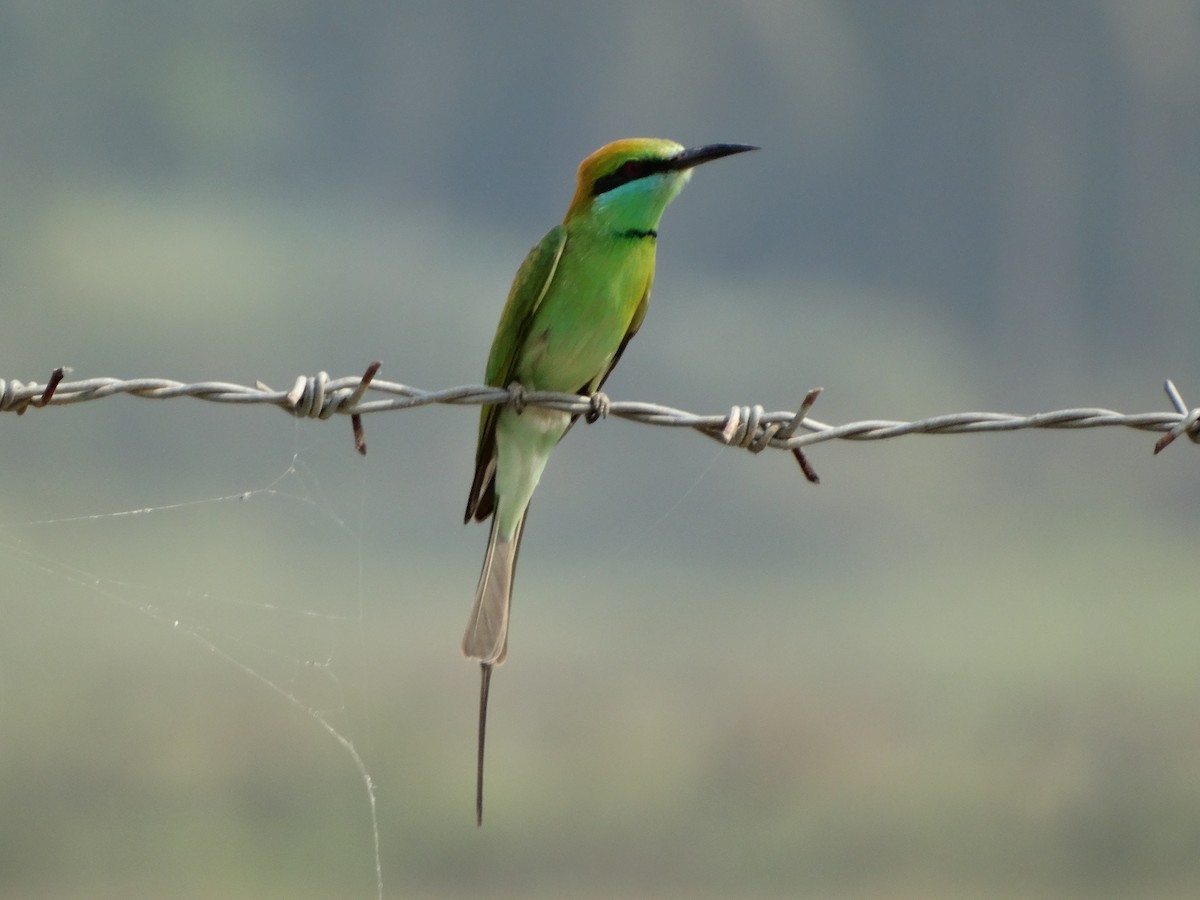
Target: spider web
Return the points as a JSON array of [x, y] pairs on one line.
[[292, 642]]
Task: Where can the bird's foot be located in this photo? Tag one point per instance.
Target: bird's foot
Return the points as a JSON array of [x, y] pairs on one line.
[[600, 405], [516, 397]]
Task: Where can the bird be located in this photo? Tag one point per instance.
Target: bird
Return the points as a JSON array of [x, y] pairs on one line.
[[575, 303]]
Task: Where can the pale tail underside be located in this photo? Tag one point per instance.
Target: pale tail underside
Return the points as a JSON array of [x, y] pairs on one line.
[[486, 638]]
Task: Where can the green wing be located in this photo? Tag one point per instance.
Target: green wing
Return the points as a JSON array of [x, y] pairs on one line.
[[528, 289]]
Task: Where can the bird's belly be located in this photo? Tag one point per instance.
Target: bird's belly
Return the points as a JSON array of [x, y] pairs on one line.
[[523, 444], [568, 360]]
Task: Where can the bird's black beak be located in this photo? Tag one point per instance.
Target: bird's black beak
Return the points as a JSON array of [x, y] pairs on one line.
[[695, 156]]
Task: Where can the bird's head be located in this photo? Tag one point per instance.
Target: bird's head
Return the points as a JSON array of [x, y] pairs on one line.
[[631, 181]]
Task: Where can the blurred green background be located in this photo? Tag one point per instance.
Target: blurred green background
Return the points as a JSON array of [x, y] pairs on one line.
[[962, 666]]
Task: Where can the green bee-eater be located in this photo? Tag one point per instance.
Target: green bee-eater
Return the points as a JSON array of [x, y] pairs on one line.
[[578, 298]]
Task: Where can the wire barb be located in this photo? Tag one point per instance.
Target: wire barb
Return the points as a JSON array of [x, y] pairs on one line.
[[802, 413], [17, 397], [1190, 423], [56, 378], [351, 402], [790, 429], [321, 397]]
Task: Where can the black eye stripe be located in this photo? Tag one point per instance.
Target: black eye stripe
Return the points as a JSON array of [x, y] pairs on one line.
[[630, 170]]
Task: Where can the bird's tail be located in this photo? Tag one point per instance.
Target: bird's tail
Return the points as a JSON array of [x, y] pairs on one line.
[[486, 638]]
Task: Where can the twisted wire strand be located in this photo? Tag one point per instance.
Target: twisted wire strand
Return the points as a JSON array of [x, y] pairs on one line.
[[750, 427]]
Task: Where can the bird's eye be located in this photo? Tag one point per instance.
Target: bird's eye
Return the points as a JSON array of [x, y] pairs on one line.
[[630, 170]]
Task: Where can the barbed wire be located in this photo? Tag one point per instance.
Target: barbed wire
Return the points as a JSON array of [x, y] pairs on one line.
[[751, 427]]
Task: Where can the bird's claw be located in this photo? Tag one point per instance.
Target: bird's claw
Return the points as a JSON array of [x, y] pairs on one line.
[[600, 405], [516, 397]]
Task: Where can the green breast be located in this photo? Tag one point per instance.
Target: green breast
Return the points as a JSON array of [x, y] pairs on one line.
[[599, 283]]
